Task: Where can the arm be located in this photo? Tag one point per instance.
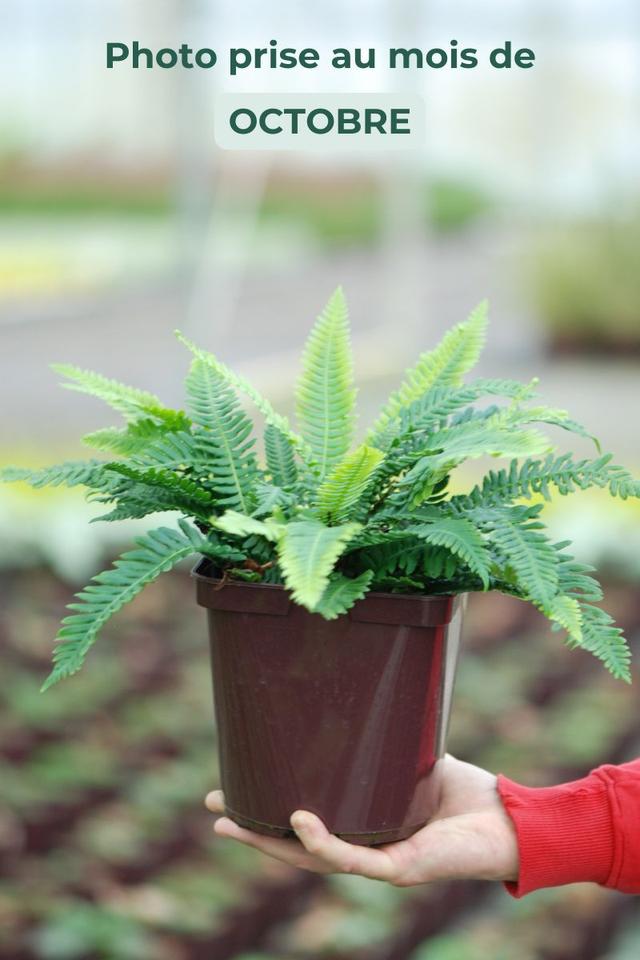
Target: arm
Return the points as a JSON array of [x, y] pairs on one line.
[[586, 830]]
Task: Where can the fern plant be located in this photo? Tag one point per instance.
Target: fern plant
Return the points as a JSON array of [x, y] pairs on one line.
[[331, 520]]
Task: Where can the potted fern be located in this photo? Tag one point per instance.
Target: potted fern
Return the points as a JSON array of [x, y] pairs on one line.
[[334, 574]]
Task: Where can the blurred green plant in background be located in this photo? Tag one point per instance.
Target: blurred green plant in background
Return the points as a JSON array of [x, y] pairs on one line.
[[585, 285]]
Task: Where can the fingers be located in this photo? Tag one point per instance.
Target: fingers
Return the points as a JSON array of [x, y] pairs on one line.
[[214, 801], [337, 856], [288, 851], [317, 849]]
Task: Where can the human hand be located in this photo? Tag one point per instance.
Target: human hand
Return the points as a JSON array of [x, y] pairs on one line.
[[470, 837]]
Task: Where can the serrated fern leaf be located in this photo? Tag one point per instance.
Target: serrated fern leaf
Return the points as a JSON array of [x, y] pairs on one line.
[[165, 479], [517, 538], [397, 552], [129, 401], [445, 366], [88, 473], [517, 415], [441, 402], [565, 611], [562, 474], [158, 551], [136, 505], [346, 483], [281, 462], [223, 433], [403, 552], [575, 580], [603, 639], [270, 499], [341, 593], [240, 383], [467, 441], [308, 551], [240, 525], [470, 413], [152, 490], [182, 452], [404, 556], [174, 451], [325, 396], [494, 437], [133, 439], [560, 418], [461, 538]]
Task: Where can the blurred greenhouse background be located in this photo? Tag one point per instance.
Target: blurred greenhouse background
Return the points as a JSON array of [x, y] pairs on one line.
[[120, 221]]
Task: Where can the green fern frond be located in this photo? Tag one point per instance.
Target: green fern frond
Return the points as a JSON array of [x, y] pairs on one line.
[[166, 479], [347, 482], [604, 640], [341, 593], [138, 503], [223, 435], [575, 580], [280, 458], [128, 401], [461, 538], [407, 558], [175, 451], [88, 473], [154, 490], [438, 403], [565, 611], [325, 396], [560, 418], [442, 401], [389, 584], [270, 500], [517, 415], [308, 551], [515, 534], [466, 441], [493, 437], [134, 438], [541, 477], [471, 413], [158, 551], [445, 366], [599, 635], [395, 552], [135, 501], [240, 383], [240, 525]]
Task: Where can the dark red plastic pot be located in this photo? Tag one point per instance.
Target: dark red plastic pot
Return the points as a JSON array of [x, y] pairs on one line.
[[346, 718]]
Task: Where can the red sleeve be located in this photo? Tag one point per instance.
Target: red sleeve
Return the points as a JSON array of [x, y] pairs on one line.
[[584, 831]]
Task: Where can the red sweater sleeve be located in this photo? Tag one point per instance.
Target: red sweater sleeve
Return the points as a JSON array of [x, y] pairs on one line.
[[584, 831]]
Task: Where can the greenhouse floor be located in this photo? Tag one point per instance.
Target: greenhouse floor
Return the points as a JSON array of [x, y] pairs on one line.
[[108, 854]]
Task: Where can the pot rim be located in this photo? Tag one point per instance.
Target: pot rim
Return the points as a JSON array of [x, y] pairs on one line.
[[239, 596]]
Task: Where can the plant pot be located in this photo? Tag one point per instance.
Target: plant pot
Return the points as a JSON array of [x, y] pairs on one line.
[[346, 718]]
